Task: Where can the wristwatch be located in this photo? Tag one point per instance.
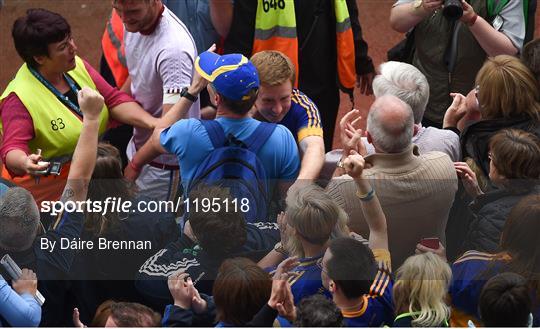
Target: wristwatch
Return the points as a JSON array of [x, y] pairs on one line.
[[280, 249], [184, 93]]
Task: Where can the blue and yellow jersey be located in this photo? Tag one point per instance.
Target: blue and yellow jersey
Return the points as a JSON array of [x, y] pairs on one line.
[[305, 279], [469, 274], [303, 118], [377, 307]]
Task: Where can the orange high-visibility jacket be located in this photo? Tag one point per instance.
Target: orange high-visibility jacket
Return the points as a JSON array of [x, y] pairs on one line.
[[275, 29], [112, 44]]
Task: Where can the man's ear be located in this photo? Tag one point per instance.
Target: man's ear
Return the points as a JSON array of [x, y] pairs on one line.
[[332, 286], [217, 99]]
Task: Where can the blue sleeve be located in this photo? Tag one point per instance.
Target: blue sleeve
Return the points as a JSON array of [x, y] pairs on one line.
[[19, 311], [178, 138], [290, 158], [175, 138], [175, 316]]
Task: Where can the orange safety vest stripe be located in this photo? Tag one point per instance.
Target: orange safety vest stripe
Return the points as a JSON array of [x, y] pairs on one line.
[[345, 59], [287, 46], [279, 38], [112, 44]]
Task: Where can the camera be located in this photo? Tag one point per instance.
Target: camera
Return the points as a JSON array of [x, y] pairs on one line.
[[453, 10]]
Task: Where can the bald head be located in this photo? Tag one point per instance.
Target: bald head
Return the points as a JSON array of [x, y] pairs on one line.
[[390, 124]]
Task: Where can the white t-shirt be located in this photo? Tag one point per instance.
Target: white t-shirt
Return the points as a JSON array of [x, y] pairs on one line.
[[160, 63]]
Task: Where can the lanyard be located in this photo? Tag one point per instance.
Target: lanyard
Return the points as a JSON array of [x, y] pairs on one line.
[[57, 93]]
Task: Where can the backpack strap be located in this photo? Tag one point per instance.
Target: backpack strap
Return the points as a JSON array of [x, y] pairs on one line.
[[261, 134], [215, 132]]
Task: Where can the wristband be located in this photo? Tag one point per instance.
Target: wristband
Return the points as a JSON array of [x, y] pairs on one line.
[[473, 20], [134, 167], [366, 197]]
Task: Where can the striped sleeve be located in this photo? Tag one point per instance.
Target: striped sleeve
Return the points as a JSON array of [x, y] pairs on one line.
[[382, 283], [481, 256], [307, 114]]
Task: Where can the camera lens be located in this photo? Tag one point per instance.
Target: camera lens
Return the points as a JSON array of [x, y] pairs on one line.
[[453, 10]]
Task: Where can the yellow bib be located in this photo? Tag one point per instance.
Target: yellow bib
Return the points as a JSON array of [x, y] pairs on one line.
[[56, 127]]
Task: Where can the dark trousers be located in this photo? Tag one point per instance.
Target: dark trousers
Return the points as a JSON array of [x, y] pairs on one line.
[[327, 102]]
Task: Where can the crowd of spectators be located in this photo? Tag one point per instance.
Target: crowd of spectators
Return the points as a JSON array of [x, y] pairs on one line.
[[427, 217]]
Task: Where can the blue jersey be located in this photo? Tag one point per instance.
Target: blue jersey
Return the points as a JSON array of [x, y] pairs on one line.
[[189, 140], [469, 275], [377, 308], [303, 118]]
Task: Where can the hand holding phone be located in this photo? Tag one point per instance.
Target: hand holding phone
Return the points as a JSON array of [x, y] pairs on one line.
[[432, 243], [15, 272], [44, 171]]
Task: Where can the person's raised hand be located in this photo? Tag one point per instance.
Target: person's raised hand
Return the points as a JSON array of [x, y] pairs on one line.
[[365, 82], [90, 102], [468, 178], [431, 5], [350, 135], [179, 286], [76, 316], [441, 252], [456, 111], [198, 83], [27, 283], [285, 307], [198, 303], [468, 16], [277, 295], [354, 165], [285, 267]]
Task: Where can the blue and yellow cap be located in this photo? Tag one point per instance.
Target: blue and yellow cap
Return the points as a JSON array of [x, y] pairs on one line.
[[232, 75]]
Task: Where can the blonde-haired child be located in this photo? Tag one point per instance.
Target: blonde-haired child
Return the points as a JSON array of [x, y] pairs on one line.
[[420, 290]]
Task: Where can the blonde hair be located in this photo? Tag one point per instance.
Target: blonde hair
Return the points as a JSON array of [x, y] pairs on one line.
[[507, 89], [274, 67], [421, 286], [314, 215]]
